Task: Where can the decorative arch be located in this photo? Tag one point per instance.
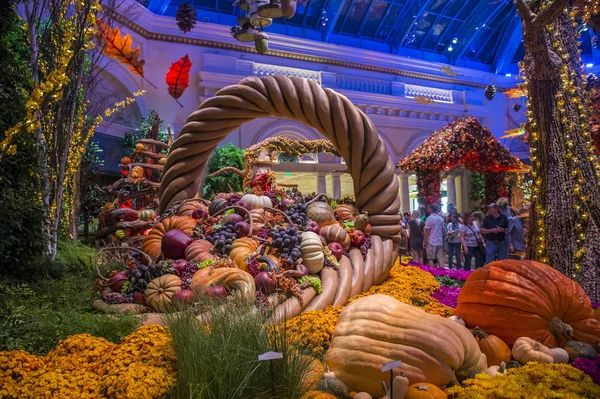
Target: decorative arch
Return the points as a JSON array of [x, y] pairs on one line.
[[330, 113], [287, 128], [415, 143], [123, 83]]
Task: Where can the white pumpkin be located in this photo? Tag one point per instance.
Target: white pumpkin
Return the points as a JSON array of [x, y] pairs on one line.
[[493, 371], [457, 319], [560, 355], [257, 201], [312, 252]]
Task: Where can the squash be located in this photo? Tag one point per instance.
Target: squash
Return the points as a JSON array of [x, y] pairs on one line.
[[240, 249], [377, 329], [160, 291], [321, 213], [513, 364], [494, 349], [580, 349], [336, 233], [188, 207], [259, 218], [345, 212], [423, 390], [140, 147], [597, 313], [257, 201], [362, 222], [534, 299], [559, 355], [457, 319], [152, 242], [147, 215], [126, 161], [399, 389], [216, 205], [314, 372], [493, 371], [269, 263], [312, 252], [317, 395], [232, 279], [526, 350], [332, 385], [199, 250], [137, 174]]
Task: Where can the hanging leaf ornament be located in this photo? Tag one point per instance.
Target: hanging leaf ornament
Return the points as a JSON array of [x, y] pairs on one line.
[[517, 92], [119, 48], [178, 77]]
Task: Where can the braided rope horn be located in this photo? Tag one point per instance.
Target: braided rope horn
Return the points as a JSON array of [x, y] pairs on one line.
[[332, 114]]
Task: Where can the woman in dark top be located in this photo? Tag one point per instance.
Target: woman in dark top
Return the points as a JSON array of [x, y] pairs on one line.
[[415, 236]]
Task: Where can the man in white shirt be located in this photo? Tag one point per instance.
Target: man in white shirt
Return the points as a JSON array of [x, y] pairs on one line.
[[434, 236]]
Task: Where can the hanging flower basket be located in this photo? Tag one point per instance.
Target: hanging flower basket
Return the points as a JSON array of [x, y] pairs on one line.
[[271, 10]]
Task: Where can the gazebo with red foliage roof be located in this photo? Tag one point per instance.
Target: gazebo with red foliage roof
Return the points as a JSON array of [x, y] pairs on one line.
[[464, 142]]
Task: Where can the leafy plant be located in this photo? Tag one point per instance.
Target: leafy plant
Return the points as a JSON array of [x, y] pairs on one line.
[[91, 200], [477, 192], [227, 155], [128, 142], [220, 361], [449, 282]]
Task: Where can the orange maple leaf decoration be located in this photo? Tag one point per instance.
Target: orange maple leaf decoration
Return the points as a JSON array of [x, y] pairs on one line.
[[178, 77], [517, 92], [120, 49]]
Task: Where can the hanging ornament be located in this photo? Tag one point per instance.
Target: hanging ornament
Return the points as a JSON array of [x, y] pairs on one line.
[[490, 92], [516, 107], [186, 17], [261, 42], [595, 41]]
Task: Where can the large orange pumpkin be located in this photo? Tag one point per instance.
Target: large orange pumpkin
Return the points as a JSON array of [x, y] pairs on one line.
[[199, 250], [241, 248], [160, 291], [513, 299], [152, 241]]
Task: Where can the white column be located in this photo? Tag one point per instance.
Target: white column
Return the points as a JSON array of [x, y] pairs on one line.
[[321, 182], [336, 184], [404, 192], [451, 189]]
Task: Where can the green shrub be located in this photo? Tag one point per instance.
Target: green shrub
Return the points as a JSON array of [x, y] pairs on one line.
[[221, 361], [228, 155]]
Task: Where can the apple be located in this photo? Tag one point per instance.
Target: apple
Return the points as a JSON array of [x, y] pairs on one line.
[[139, 298], [242, 204], [302, 268], [199, 213], [117, 281], [217, 291], [336, 249], [185, 297], [357, 237], [233, 219], [311, 225], [242, 229]]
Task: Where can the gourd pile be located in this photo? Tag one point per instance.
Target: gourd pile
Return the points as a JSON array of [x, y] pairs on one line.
[[281, 250]]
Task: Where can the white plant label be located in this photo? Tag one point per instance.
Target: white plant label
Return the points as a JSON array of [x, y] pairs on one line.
[[270, 356], [391, 365]]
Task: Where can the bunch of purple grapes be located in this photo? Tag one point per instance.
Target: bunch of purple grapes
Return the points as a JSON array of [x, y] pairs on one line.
[[288, 242], [186, 275], [115, 297], [222, 239], [364, 248], [253, 266], [232, 199], [264, 233], [297, 214], [273, 197]]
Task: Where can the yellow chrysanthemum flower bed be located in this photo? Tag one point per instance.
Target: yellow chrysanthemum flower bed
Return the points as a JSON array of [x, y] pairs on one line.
[[533, 380], [312, 331], [82, 366]]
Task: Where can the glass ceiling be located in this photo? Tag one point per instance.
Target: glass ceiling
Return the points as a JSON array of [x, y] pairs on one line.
[[474, 33]]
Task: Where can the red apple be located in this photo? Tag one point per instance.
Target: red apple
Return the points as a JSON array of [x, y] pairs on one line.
[[185, 297], [357, 237], [179, 265], [311, 225], [336, 249], [241, 229], [302, 268], [200, 213], [117, 281], [217, 291], [139, 298], [264, 283]]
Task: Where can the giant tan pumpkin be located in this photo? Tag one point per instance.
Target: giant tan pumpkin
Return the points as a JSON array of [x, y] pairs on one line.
[[377, 329], [152, 241], [235, 280], [515, 298]]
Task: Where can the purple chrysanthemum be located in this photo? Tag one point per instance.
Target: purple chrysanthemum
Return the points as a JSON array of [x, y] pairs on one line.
[[590, 367], [447, 296], [442, 271]]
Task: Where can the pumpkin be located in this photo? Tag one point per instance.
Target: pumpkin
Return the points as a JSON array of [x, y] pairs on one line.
[[336, 233], [232, 279], [493, 371], [560, 355], [240, 249], [257, 201], [399, 389], [152, 242], [321, 213], [258, 218], [140, 147], [317, 395], [312, 252], [188, 207], [345, 212], [216, 205], [534, 299], [147, 215], [526, 350], [314, 372], [457, 319], [597, 313], [126, 161], [199, 250], [160, 291], [580, 349], [494, 349], [137, 174], [377, 329], [425, 391], [333, 386]]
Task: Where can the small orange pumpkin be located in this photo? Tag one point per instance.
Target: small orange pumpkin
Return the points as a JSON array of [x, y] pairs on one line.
[[240, 249], [160, 291], [152, 241], [345, 212], [495, 350], [126, 161], [314, 373], [321, 213], [199, 250], [140, 147], [137, 174], [336, 233], [424, 390]]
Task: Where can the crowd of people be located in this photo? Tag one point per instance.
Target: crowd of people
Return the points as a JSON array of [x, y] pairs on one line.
[[470, 240]]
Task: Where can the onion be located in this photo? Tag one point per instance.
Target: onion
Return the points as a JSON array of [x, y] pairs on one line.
[[184, 296], [174, 243], [241, 229], [233, 219], [264, 283], [117, 281]]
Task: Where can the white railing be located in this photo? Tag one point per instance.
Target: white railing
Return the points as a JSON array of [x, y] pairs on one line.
[[268, 70], [440, 95], [363, 84]]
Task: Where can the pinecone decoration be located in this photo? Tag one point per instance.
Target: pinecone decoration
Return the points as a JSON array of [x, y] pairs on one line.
[[516, 107], [595, 41], [490, 92], [186, 17]]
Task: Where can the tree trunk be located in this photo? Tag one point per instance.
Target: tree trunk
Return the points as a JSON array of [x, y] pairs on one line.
[[566, 213], [75, 205]]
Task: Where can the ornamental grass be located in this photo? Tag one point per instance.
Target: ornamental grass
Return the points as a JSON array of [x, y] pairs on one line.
[[533, 380]]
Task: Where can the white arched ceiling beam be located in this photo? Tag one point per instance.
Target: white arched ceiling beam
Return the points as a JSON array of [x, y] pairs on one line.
[[509, 45], [158, 6], [333, 9], [409, 16]]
